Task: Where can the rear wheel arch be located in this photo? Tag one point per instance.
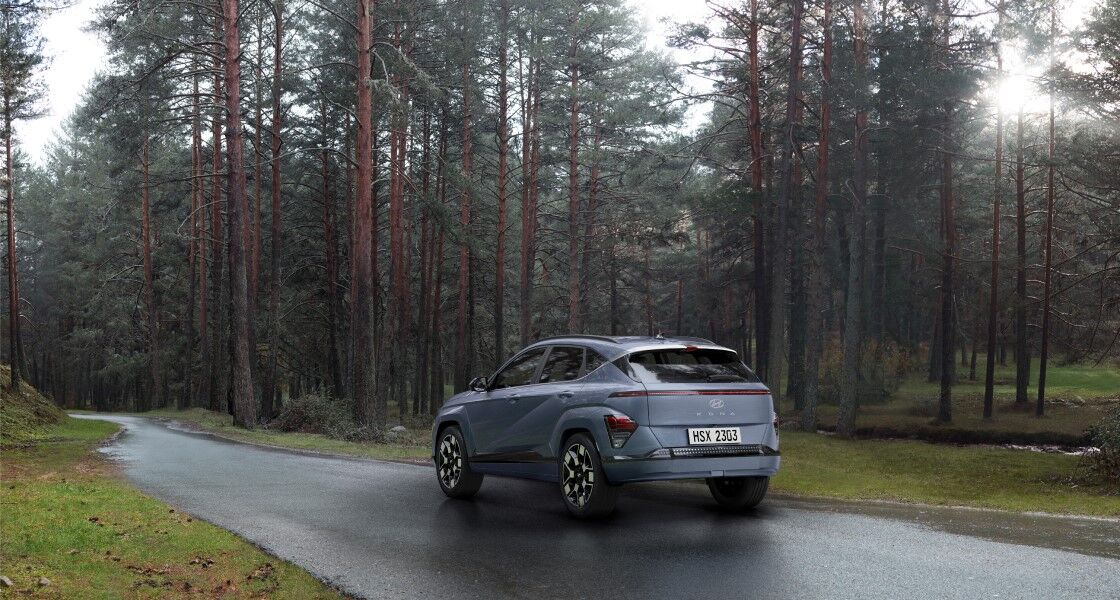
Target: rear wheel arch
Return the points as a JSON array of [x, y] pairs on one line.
[[572, 430]]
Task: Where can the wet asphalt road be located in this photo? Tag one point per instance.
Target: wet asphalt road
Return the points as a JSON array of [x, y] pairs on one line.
[[384, 530]]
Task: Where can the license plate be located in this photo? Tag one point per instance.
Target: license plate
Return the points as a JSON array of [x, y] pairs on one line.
[[713, 435]]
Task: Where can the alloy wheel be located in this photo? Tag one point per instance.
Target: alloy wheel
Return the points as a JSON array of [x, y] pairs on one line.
[[579, 475], [450, 461]]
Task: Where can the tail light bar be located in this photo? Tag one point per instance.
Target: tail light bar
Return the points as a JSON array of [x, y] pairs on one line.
[[619, 429], [639, 393]]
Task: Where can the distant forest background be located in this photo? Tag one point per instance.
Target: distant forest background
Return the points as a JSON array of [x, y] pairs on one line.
[[377, 200]]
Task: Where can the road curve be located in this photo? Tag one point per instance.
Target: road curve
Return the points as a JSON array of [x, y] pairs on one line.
[[383, 530]]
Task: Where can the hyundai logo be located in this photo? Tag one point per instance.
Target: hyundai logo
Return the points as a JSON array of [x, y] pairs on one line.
[[717, 403]]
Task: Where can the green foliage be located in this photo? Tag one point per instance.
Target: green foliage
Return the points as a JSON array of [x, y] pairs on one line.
[[25, 416]]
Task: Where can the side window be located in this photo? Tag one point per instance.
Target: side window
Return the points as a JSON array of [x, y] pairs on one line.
[[593, 361], [519, 372], [563, 364]]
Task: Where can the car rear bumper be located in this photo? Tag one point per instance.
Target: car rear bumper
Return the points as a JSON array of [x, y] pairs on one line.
[[620, 469]]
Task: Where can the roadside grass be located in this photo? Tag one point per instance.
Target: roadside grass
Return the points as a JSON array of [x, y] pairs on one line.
[[822, 466], [66, 517], [411, 445], [26, 417], [1078, 396], [915, 471]]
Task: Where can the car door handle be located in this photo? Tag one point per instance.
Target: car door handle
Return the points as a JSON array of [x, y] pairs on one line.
[[566, 394]]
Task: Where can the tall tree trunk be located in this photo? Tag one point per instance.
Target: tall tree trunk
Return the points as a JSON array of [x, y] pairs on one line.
[[948, 226], [253, 238], [949, 232], [849, 401], [214, 367], [437, 380], [1022, 335], [197, 253], [503, 159], [268, 395], [589, 218], [244, 400], [330, 250], [361, 308], [398, 312], [993, 287], [1040, 406], [814, 329], [14, 354], [574, 322], [461, 342], [423, 319], [154, 397], [778, 303], [761, 290], [530, 153]]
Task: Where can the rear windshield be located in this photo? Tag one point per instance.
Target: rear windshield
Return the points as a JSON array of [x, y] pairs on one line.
[[684, 366]]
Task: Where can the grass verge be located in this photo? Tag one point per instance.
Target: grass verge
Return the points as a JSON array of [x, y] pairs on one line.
[[69, 528], [1078, 397], [915, 471], [823, 466], [412, 445]]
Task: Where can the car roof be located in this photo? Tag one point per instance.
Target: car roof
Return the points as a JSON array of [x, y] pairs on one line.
[[615, 346]]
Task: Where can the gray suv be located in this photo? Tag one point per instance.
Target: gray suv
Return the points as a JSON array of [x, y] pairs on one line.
[[590, 413]]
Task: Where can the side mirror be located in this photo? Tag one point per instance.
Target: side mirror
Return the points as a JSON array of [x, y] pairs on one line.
[[478, 384]]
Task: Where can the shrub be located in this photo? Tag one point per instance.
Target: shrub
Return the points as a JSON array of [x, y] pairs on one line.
[[318, 413], [882, 367], [1105, 461], [313, 413]]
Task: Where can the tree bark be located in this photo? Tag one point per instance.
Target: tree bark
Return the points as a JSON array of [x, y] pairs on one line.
[[361, 308], [849, 401], [154, 397], [762, 294], [993, 287], [949, 233], [574, 321], [778, 302], [814, 330], [14, 354], [268, 395], [461, 342], [244, 400], [503, 159], [196, 254], [1040, 405], [1022, 349]]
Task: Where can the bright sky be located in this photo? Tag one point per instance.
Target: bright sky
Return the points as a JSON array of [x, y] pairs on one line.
[[76, 55]]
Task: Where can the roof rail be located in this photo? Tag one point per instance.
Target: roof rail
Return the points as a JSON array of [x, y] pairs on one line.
[[600, 338]]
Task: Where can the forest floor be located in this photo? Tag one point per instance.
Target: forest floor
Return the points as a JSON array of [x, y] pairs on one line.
[[1078, 396], [813, 465], [71, 527]]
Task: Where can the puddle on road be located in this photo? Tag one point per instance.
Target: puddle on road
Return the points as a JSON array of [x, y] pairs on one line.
[[1084, 535]]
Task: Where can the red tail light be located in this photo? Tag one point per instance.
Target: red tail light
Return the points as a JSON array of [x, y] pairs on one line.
[[619, 429], [635, 393]]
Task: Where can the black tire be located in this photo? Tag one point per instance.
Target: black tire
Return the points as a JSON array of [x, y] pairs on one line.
[[738, 493], [453, 470], [583, 485]]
